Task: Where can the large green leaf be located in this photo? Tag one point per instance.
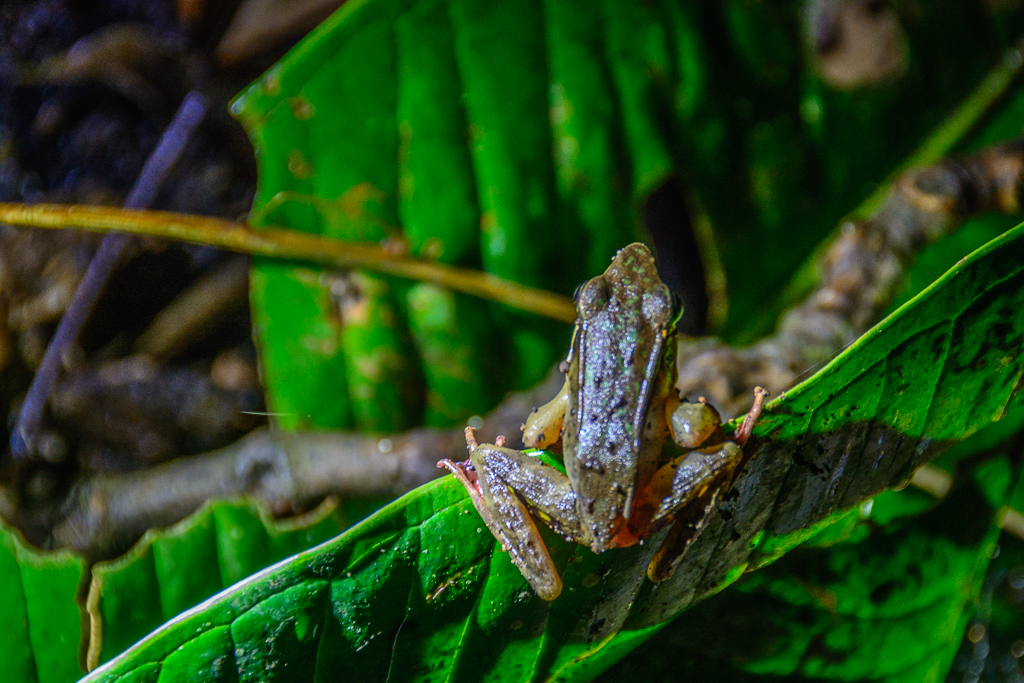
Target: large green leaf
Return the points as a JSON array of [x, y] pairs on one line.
[[59, 611], [419, 590], [512, 135], [40, 623], [171, 570], [886, 600]]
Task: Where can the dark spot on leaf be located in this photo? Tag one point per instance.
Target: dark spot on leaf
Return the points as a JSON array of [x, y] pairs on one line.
[[817, 649], [883, 591]]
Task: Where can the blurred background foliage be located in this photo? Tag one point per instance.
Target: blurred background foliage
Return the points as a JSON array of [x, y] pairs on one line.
[[532, 156], [571, 134]]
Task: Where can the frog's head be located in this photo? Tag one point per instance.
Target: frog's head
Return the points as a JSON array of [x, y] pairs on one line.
[[630, 283]]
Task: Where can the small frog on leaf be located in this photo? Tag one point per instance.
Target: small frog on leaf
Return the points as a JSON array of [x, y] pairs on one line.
[[613, 416]]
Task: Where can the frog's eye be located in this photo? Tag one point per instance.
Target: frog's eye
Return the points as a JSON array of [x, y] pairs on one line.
[[677, 305], [592, 297], [658, 306], [576, 294], [677, 309]]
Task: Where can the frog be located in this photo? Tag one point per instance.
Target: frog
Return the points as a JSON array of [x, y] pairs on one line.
[[612, 417]]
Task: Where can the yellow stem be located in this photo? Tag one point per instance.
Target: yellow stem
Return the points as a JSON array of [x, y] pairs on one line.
[[290, 245]]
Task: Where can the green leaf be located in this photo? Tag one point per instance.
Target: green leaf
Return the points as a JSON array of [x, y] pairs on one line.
[[40, 623], [376, 78], [384, 377], [418, 590], [450, 330], [171, 570], [892, 607], [509, 135], [889, 602], [44, 629]]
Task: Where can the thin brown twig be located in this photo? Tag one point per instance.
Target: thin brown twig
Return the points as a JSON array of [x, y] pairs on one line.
[[291, 245], [106, 513], [183, 321]]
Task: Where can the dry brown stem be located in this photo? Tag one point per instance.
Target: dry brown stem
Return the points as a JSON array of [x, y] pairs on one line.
[[860, 272]]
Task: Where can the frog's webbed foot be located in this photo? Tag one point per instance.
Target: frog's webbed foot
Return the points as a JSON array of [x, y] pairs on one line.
[[464, 471], [466, 475]]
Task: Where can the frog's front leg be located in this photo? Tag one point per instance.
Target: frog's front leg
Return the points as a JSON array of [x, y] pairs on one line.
[[544, 425], [505, 486]]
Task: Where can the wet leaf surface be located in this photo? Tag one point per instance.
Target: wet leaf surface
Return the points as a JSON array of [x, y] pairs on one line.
[[930, 375], [59, 610], [887, 597]]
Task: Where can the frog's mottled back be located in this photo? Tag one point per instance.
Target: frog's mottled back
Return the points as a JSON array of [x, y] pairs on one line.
[[623, 319]]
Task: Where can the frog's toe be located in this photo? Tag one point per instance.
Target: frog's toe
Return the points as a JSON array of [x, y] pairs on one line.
[[549, 588], [463, 471]]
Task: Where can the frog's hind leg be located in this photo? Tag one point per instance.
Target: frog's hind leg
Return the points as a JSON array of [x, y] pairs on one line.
[[688, 525], [694, 473], [505, 486], [699, 478]]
